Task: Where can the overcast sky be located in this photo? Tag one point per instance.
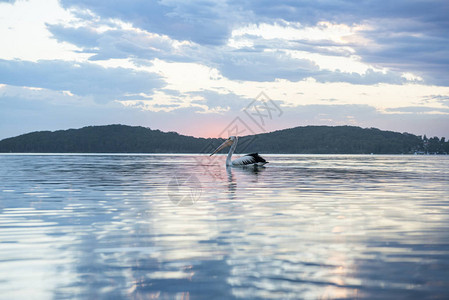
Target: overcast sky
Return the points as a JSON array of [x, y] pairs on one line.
[[194, 66]]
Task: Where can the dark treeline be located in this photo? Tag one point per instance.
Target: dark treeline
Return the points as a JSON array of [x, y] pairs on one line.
[[345, 140], [309, 139], [435, 145], [103, 139]]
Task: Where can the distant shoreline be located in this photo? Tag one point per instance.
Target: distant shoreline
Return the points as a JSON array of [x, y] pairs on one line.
[[125, 139]]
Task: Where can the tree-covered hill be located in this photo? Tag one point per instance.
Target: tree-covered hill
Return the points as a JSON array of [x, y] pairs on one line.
[[338, 140], [309, 139], [103, 139]]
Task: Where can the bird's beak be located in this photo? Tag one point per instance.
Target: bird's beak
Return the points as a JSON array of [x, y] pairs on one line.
[[226, 143]]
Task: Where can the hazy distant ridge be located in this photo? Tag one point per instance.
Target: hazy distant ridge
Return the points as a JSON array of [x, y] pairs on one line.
[[309, 139]]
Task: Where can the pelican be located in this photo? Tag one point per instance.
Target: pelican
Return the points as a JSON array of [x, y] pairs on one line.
[[252, 159]]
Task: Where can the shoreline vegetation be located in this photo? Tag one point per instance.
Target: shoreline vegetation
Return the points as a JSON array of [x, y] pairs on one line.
[[298, 140]]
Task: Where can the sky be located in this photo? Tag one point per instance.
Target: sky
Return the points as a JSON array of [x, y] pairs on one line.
[[201, 67]]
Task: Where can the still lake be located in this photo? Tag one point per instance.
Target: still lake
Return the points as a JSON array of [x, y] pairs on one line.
[[185, 227]]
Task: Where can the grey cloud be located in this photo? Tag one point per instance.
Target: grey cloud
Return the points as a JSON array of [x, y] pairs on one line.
[[21, 115], [347, 11], [418, 109], [411, 36], [442, 99], [364, 116], [423, 51], [205, 22], [264, 66], [369, 77], [104, 84], [214, 100], [119, 43], [252, 64], [80, 36]]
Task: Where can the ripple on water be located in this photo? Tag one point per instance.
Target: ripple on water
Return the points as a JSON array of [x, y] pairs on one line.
[[306, 226]]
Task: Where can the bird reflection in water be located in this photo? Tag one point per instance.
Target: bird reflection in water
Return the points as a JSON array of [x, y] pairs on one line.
[[248, 174]]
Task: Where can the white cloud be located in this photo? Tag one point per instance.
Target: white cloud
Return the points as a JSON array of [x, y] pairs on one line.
[[189, 77], [192, 77], [163, 102], [381, 96], [25, 36], [294, 31], [347, 64], [49, 96], [411, 77], [338, 41], [160, 101]]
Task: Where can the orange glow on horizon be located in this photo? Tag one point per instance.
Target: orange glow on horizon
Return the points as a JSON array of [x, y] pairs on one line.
[[219, 128]]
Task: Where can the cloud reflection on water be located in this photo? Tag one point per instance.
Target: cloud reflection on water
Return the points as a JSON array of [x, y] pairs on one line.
[[308, 226]]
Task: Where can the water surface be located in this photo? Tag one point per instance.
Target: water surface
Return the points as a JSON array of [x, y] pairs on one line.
[[169, 227]]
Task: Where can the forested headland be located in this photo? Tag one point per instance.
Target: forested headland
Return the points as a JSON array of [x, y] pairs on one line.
[[301, 140]]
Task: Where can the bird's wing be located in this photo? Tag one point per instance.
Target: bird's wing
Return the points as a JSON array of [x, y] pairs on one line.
[[249, 159]]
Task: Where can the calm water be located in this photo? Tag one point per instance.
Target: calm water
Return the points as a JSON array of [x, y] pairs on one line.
[[162, 226]]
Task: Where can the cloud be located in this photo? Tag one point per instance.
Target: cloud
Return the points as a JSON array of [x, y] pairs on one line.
[[205, 101], [162, 102], [261, 64], [264, 52], [270, 65], [443, 99], [192, 77], [119, 41], [204, 22], [201, 60], [24, 33], [402, 36], [25, 109], [412, 47], [82, 79], [229, 102], [346, 11], [86, 37], [414, 121], [264, 66], [418, 109]]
